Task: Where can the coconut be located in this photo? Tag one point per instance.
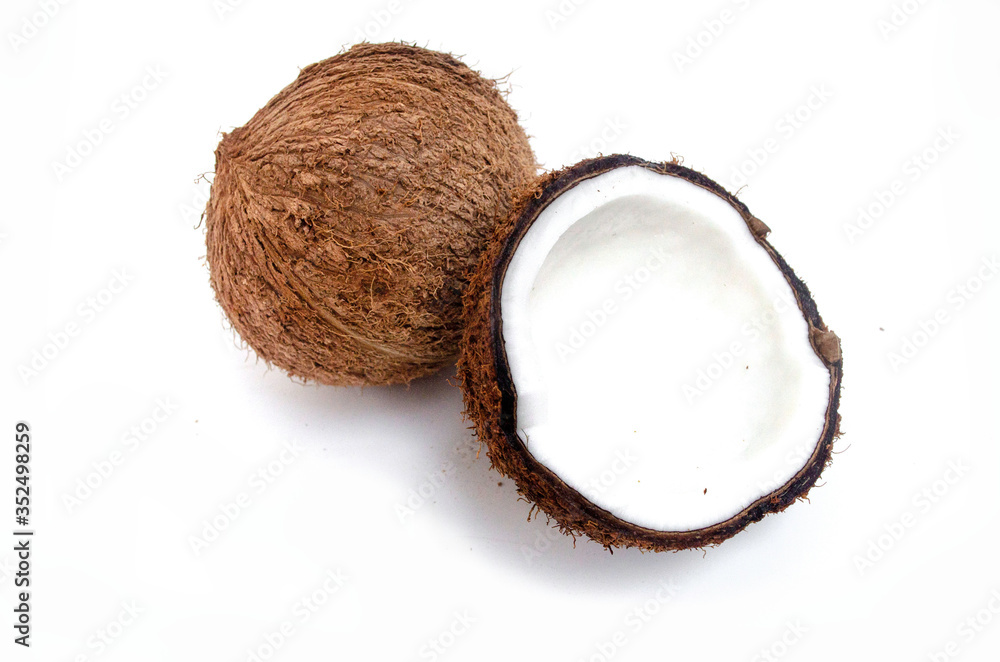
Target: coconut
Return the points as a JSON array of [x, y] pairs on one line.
[[346, 216], [642, 362]]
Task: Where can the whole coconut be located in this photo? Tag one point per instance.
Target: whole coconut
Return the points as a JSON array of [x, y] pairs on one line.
[[346, 216]]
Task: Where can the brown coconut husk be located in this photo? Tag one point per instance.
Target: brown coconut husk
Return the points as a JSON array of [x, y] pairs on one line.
[[490, 395], [346, 215]]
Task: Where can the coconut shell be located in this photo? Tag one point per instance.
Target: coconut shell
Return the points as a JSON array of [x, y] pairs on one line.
[[490, 395], [346, 216]]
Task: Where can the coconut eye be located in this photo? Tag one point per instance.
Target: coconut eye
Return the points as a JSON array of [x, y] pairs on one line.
[[643, 363]]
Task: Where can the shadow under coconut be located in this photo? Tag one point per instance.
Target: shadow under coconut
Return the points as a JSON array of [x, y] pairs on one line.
[[482, 505]]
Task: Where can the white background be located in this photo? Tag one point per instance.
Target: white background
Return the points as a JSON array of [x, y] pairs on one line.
[[821, 581]]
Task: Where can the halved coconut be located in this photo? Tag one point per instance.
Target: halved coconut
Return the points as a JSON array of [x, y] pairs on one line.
[[642, 362]]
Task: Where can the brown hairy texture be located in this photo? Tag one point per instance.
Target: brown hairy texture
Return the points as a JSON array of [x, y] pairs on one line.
[[346, 216], [490, 396]]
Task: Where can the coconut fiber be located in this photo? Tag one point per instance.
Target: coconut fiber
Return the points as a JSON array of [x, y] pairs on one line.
[[346, 215]]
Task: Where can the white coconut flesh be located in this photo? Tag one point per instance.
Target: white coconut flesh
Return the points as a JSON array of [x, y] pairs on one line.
[[661, 364]]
